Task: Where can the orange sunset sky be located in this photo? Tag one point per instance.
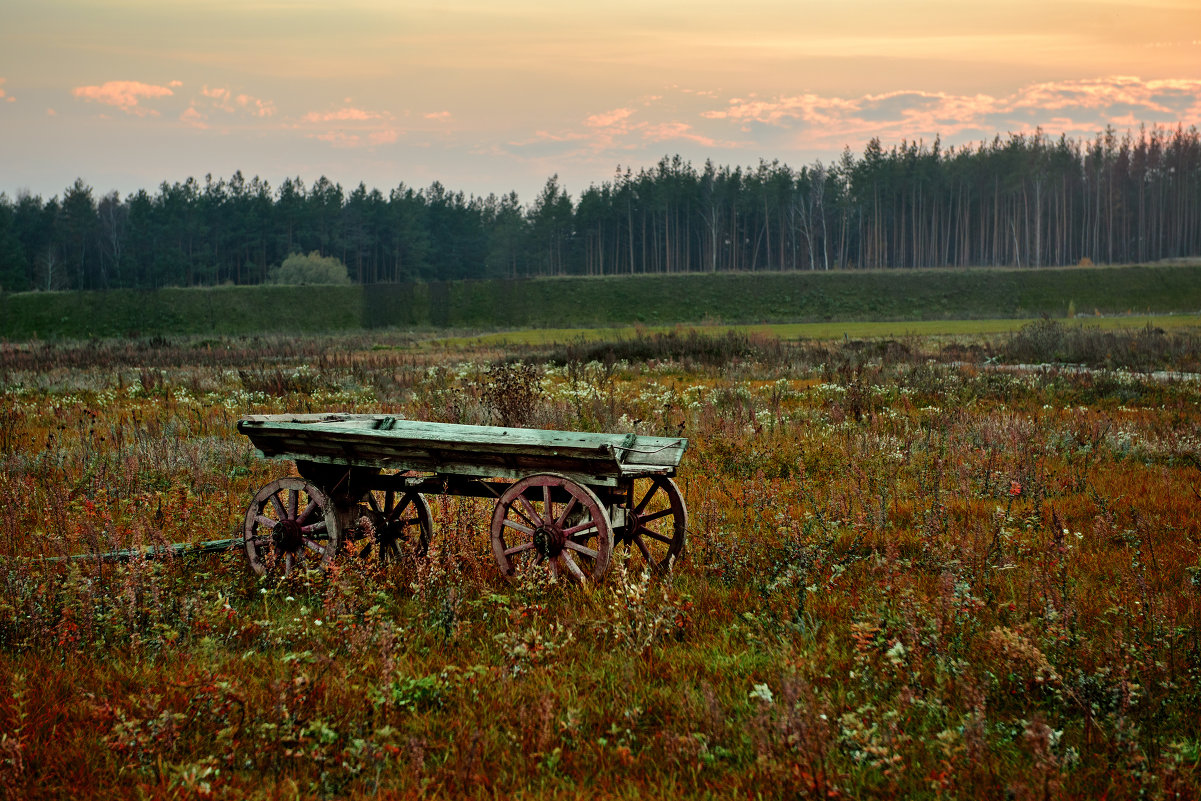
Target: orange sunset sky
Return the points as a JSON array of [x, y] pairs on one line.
[[492, 97]]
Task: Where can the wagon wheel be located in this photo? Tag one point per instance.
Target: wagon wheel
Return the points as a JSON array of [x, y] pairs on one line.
[[290, 522], [401, 525], [534, 525], [656, 520]]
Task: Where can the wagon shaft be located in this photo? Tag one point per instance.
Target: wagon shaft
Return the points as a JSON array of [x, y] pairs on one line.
[[154, 552]]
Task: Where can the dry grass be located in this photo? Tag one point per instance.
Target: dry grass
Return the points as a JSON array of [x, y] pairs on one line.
[[903, 578]]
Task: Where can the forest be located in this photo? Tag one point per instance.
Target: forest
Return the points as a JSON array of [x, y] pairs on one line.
[[1024, 200]]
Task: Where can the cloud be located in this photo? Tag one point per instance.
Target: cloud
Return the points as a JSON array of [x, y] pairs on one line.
[[223, 99], [668, 131], [194, 118], [354, 127], [342, 115], [1075, 107], [439, 116], [125, 95], [608, 119], [7, 98], [343, 139]]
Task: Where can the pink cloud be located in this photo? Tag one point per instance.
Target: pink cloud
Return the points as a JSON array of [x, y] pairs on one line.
[[608, 119], [3, 94], [351, 127], [676, 130], [125, 95], [547, 136], [225, 100], [439, 116], [347, 114], [194, 118], [339, 139], [383, 137], [256, 106], [1074, 107]]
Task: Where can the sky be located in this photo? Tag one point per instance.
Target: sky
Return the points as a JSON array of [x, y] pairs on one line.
[[492, 97]]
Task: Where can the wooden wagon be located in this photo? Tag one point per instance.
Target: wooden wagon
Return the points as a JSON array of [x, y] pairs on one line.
[[564, 499]]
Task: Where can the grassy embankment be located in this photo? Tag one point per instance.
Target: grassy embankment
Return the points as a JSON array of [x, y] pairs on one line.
[[576, 303]]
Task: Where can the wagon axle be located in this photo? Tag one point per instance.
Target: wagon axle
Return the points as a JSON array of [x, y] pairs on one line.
[[549, 541], [287, 536]]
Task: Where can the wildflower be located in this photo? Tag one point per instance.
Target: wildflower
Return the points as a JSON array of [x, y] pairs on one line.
[[763, 693], [1015, 488]]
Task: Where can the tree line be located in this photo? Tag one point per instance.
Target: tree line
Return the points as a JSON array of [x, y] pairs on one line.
[[1023, 200]]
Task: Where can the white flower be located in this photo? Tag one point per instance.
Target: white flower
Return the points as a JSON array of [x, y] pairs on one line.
[[763, 693]]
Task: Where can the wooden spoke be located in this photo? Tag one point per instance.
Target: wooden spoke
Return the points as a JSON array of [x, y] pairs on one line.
[[520, 548], [584, 549], [397, 511], [572, 567], [644, 519], [643, 531], [586, 526], [646, 499], [567, 508], [656, 521], [531, 516], [308, 511], [646, 553], [274, 545], [518, 528]]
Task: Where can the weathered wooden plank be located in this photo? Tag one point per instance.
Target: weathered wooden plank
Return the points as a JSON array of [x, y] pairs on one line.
[[391, 443]]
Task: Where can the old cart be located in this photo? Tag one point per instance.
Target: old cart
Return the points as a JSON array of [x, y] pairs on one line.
[[564, 499]]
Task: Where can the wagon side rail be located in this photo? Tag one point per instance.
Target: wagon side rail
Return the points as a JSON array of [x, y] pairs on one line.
[[385, 442]]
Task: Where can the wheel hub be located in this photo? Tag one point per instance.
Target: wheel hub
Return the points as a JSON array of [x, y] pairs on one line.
[[287, 536], [549, 541]]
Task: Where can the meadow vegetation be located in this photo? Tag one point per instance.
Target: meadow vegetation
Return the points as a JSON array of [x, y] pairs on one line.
[[910, 571]]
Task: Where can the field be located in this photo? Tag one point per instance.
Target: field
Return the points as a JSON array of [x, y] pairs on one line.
[[910, 572]]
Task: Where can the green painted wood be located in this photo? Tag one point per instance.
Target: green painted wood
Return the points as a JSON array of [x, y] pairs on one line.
[[397, 444]]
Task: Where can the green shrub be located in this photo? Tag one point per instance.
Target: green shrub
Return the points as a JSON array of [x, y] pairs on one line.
[[311, 269]]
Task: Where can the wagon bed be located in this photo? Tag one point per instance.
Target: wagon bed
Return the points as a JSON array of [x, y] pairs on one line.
[[564, 499], [381, 441]]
